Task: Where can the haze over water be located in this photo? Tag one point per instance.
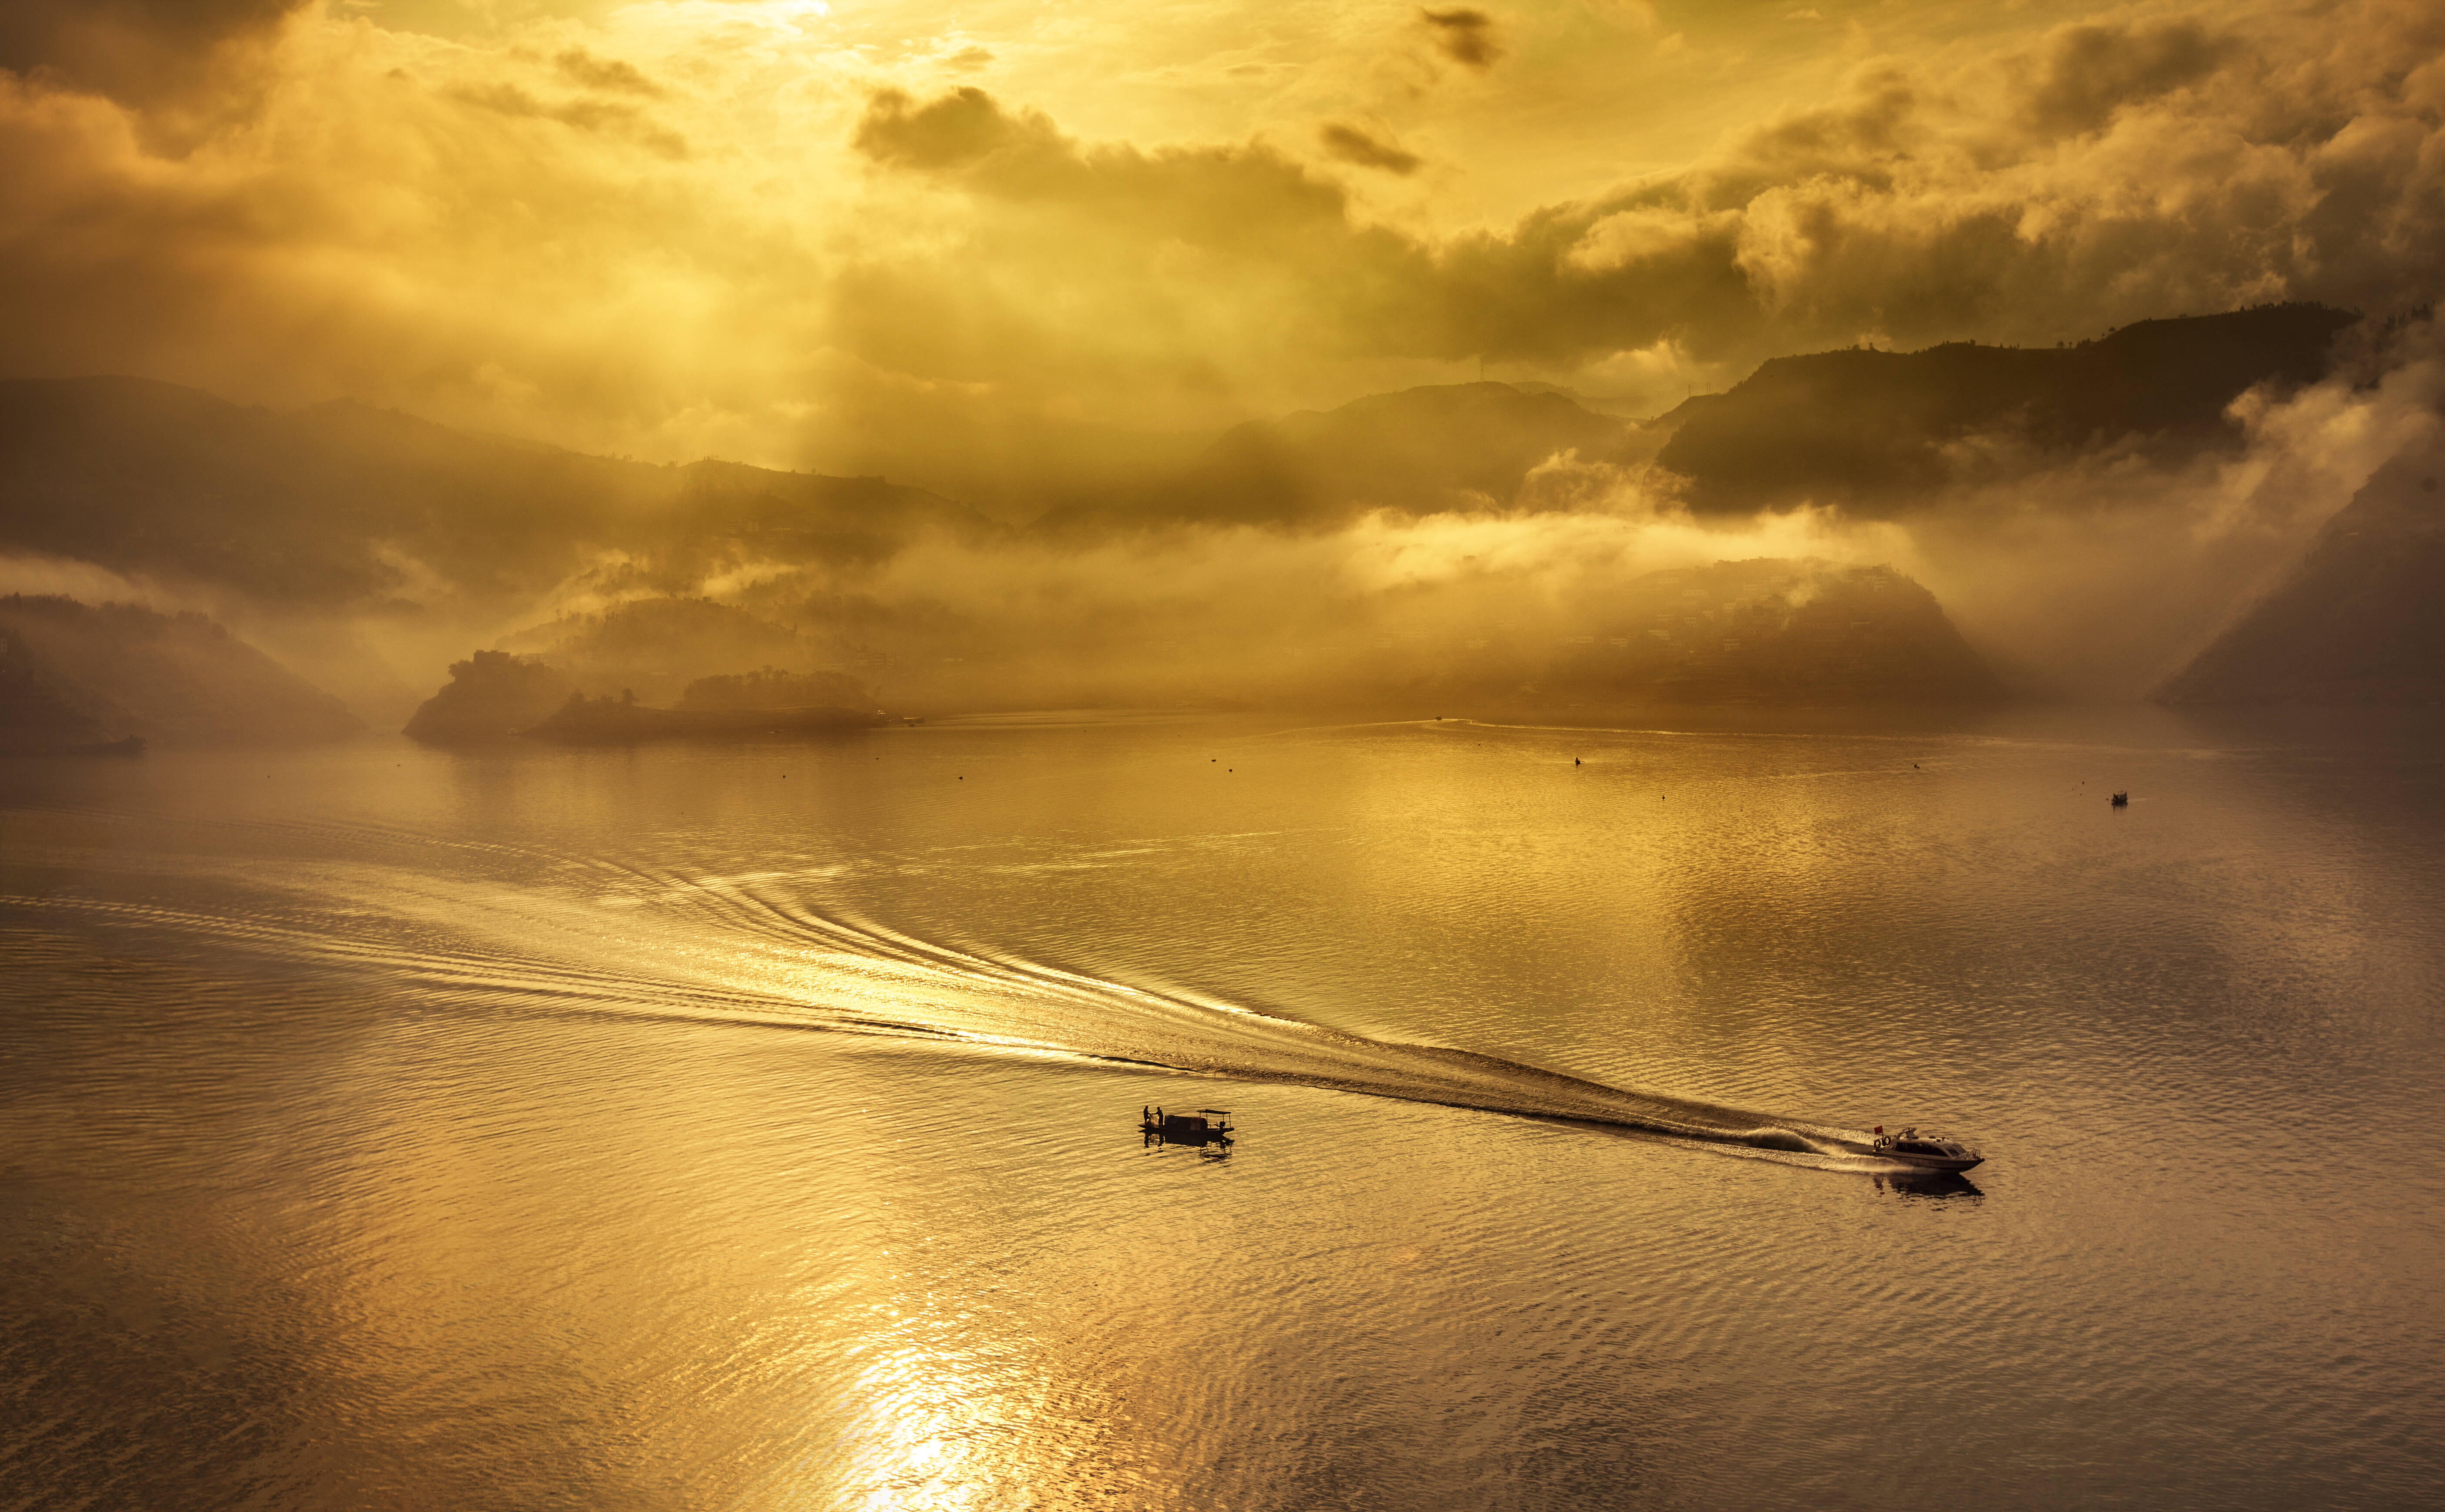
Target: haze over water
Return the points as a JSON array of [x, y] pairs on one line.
[[755, 1125]]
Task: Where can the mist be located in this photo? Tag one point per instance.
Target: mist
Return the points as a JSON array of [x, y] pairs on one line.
[[2087, 576], [1470, 569]]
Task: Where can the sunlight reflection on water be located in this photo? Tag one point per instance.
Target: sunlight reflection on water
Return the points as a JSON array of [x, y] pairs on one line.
[[610, 1129]]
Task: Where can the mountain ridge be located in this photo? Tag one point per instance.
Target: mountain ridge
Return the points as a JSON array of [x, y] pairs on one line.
[[325, 506], [81, 673], [2360, 619], [421, 540], [1878, 433]]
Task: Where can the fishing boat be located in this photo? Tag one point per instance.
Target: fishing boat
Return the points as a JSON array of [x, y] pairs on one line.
[[1208, 1125], [1928, 1151]]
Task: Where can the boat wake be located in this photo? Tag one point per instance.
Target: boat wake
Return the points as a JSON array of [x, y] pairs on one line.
[[605, 935]]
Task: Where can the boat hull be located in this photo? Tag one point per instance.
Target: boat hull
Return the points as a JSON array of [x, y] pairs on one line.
[[1943, 1163]]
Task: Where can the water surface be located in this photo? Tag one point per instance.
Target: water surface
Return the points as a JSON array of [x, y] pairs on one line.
[[754, 1127]]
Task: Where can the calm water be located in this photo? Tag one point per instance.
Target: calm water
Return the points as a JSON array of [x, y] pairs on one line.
[[755, 1128]]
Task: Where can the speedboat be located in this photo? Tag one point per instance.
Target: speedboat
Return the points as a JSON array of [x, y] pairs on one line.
[[1928, 1151]]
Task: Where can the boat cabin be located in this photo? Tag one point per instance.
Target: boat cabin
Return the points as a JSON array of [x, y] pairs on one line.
[[1208, 1125], [1929, 1146], [1926, 1150]]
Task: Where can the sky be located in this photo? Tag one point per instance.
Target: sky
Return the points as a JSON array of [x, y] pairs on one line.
[[807, 234]]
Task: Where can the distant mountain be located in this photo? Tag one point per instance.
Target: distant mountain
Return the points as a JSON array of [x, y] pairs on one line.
[[1774, 630], [37, 714], [655, 648], [1765, 631], [2361, 619], [710, 657], [1017, 467], [74, 674], [344, 506], [1420, 451], [773, 689], [1876, 433], [490, 696], [1619, 408], [401, 543], [1883, 433], [347, 507]]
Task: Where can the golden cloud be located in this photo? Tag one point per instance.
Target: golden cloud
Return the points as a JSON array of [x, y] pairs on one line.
[[748, 229]]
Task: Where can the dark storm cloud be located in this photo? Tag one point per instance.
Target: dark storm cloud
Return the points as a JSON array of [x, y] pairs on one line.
[[2121, 172], [1910, 207], [63, 34], [962, 129], [608, 74], [1354, 145], [2087, 73], [1140, 277], [136, 51], [499, 234], [1246, 197], [1465, 36], [612, 118], [1291, 240]]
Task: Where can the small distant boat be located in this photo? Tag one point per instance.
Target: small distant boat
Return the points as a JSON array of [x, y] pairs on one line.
[[1208, 1125], [2123, 800], [1928, 1151]]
